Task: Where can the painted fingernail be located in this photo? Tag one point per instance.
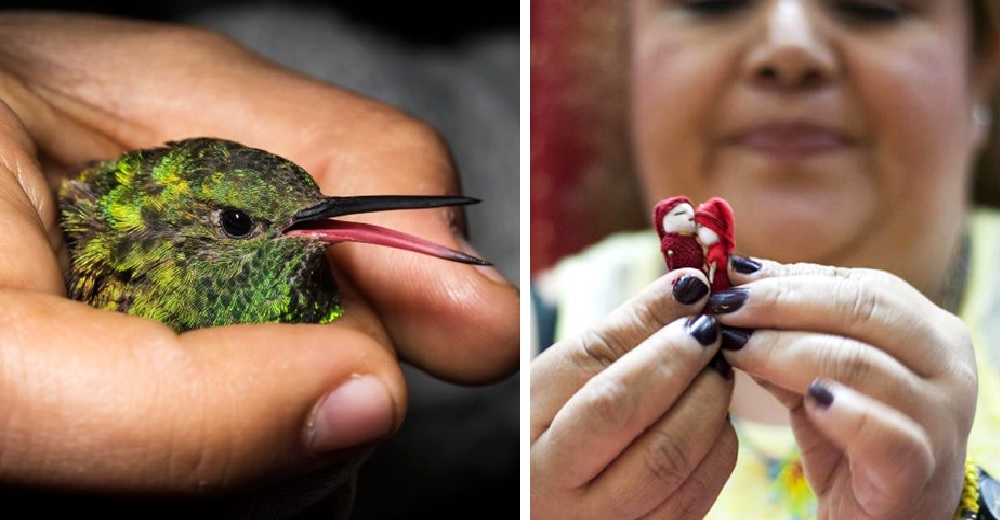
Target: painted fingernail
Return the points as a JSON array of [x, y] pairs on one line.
[[744, 264], [704, 328], [734, 338], [689, 289], [721, 366], [727, 300], [820, 394], [358, 412]]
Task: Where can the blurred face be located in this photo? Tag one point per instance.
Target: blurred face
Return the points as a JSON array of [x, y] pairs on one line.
[[840, 131], [680, 219]]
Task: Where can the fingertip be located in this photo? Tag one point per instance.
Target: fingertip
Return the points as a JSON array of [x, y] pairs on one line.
[[357, 412], [820, 394], [690, 288], [704, 328], [744, 265]]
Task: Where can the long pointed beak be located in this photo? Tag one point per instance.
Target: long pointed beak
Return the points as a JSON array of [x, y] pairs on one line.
[[314, 223]]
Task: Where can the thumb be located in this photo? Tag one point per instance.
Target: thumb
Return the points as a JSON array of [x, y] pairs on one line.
[[105, 401]]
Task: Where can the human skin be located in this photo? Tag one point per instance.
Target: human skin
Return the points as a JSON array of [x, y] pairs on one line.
[[626, 420], [901, 370], [845, 129], [894, 97], [104, 401]]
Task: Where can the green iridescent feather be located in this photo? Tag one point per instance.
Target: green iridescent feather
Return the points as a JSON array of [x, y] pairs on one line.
[[145, 237]]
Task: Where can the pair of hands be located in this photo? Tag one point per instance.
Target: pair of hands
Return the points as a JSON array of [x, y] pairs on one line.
[[629, 419], [100, 401]]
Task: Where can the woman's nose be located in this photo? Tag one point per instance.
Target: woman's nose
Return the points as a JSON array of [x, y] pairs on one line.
[[790, 52]]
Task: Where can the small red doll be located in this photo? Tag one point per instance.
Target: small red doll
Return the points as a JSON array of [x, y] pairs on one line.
[[716, 234], [675, 224]]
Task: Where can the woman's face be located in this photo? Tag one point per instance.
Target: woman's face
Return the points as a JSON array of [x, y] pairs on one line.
[[839, 131]]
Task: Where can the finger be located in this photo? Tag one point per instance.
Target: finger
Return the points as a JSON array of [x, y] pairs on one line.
[[213, 410], [600, 420], [890, 454], [870, 306], [792, 360], [563, 368], [698, 494], [27, 222], [456, 321], [668, 454]]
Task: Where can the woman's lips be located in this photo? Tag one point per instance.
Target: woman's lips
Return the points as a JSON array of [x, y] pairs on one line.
[[789, 141]]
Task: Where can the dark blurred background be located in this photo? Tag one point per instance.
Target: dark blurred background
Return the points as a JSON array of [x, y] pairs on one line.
[[455, 65]]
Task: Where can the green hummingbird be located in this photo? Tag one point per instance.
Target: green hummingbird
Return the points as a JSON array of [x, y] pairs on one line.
[[205, 231]]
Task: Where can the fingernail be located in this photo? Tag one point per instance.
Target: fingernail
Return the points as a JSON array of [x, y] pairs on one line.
[[721, 366], [486, 270], [734, 338], [744, 265], [820, 394], [689, 289], [704, 328], [357, 412], [727, 300]]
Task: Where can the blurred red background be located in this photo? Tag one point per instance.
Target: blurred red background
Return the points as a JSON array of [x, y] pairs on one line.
[[579, 161]]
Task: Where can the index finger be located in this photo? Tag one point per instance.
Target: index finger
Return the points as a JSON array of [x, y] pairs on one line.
[[562, 369]]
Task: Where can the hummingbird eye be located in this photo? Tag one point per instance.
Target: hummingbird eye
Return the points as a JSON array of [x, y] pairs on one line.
[[235, 223]]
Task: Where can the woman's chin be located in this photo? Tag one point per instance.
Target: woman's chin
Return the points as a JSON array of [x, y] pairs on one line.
[[820, 229]]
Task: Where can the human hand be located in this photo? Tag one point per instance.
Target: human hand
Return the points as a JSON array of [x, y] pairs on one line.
[[106, 401], [626, 420], [891, 379]]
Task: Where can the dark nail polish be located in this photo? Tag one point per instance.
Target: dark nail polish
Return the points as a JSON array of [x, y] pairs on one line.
[[734, 338], [689, 289], [821, 394], [744, 265], [721, 366], [704, 328], [727, 300]]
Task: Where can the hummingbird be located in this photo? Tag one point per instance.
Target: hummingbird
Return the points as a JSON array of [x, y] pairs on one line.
[[204, 231]]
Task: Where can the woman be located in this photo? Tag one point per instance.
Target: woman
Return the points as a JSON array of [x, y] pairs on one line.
[[843, 134]]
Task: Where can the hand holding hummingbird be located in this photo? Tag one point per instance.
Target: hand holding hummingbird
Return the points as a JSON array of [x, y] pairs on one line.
[[104, 401]]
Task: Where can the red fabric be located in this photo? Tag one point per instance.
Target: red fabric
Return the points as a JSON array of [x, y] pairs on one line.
[[717, 215], [559, 152], [582, 185], [681, 250]]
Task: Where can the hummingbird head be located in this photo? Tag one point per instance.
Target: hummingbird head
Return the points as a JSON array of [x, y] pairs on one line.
[[161, 232]]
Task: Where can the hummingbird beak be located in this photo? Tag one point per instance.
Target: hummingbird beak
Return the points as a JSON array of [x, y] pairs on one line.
[[314, 223]]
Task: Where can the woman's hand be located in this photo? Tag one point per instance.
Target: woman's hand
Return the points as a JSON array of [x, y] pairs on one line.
[[629, 420], [101, 401], [880, 382]]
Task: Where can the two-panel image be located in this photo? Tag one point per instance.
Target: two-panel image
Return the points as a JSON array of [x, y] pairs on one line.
[[264, 260], [764, 245]]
